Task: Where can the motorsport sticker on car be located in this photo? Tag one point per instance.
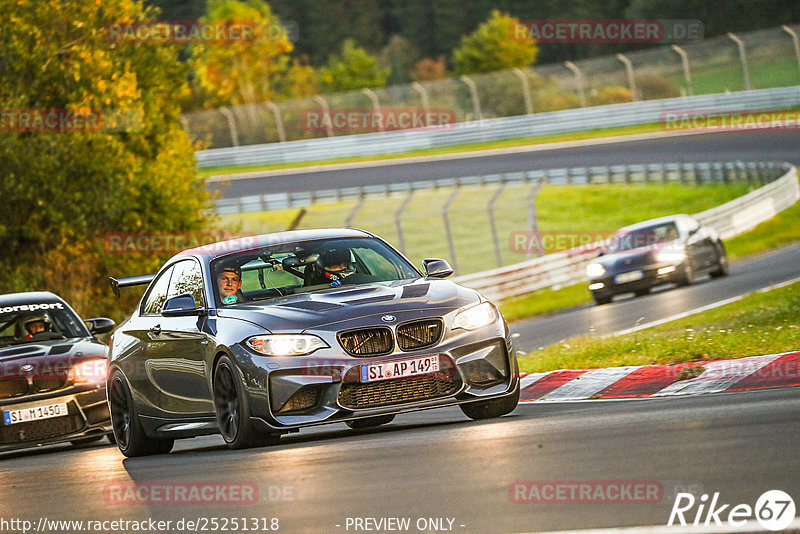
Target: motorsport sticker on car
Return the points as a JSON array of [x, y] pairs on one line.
[[399, 368], [34, 414]]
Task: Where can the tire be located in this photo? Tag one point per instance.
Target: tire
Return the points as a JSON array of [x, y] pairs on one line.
[[722, 262], [642, 292], [128, 431], [233, 410], [491, 408], [602, 300], [369, 422], [688, 277]]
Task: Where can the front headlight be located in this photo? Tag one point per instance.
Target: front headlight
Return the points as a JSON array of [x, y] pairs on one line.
[[89, 371], [476, 317], [594, 270], [286, 344]]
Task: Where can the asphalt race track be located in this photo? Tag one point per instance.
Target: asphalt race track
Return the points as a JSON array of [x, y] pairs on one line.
[[628, 311], [759, 145], [441, 465], [439, 470]]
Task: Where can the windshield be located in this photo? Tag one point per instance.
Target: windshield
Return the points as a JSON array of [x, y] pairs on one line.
[[38, 321], [304, 267], [644, 237]]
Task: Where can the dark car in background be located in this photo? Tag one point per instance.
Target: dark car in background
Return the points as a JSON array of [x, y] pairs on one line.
[[258, 337], [52, 373], [673, 249]]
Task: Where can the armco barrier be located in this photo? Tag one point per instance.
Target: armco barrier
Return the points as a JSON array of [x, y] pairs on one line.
[[569, 120], [568, 267]]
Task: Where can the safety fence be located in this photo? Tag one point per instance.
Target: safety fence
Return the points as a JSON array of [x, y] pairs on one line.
[[465, 109], [568, 267]]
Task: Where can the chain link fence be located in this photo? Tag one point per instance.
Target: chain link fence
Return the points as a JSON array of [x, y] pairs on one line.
[[757, 60]]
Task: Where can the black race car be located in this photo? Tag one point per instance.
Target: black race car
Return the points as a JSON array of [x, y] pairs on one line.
[[258, 337], [674, 249], [52, 373]]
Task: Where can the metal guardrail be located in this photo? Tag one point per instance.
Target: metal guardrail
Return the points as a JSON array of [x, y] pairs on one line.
[[688, 172], [568, 267], [569, 120]]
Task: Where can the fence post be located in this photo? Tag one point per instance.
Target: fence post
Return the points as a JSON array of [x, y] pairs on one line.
[[526, 90], [687, 74], [533, 221], [326, 113], [376, 106], [579, 79], [423, 96], [631, 79], [276, 112], [795, 43], [398, 220], [493, 223], [473, 91], [446, 218], [743, 58], [231, 125], [352, 215]]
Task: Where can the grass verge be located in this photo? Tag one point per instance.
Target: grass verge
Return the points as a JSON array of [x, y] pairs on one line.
[[761, 323]]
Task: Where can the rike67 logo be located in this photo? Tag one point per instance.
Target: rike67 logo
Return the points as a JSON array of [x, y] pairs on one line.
[[774, 510]]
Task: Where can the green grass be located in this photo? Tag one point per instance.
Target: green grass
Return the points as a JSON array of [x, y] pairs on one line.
[[762, 323], [765, 74], [781, 230], [562, 211], [544, 301]]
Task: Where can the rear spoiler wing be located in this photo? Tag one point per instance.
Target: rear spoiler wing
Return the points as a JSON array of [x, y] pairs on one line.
[[140, 280]]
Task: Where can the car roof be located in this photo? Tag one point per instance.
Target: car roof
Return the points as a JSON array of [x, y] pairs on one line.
[[240, 244], [653, 222], [11, 299]]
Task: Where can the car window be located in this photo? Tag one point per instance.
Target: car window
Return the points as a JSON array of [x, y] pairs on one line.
[[187, 278], [34, 321], [157, 294]]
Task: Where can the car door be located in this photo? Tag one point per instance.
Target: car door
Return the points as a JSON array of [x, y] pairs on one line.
[[179, 363]]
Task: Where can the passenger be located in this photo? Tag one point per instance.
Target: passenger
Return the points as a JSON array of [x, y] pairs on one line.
[[230, 283]]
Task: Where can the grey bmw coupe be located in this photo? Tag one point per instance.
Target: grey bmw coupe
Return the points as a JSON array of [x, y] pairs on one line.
[[257, 337]]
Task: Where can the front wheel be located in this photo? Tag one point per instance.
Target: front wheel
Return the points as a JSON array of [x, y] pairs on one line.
[[688, 277], [491, 408], [128, 432], [600, 300], [722, 262], [233, 410]]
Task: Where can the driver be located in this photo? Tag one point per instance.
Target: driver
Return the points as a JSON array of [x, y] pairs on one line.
[[36, 324], [336, 266], [229, 280]]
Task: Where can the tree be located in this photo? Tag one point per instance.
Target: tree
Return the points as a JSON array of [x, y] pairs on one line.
[[65, 187], [494, 46], [355, 68], [242, 71]]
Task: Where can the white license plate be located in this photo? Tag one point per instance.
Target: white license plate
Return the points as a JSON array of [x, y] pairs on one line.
[[628, 277], [34, 414], [399, 368]]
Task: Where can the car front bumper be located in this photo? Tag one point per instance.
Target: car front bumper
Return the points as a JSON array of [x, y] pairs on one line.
[[87, 416], [650, 277], [290, 393]]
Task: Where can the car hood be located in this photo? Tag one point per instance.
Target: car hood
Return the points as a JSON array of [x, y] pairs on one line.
[[45, 357], [312, 310], [627, 260]]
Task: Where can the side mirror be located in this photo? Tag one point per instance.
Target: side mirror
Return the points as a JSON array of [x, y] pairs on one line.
[[436, 268], [181, 305], [99, 325], [601, 253]]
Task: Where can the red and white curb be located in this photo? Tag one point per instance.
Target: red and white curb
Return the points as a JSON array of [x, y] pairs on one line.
[[755, 372]]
